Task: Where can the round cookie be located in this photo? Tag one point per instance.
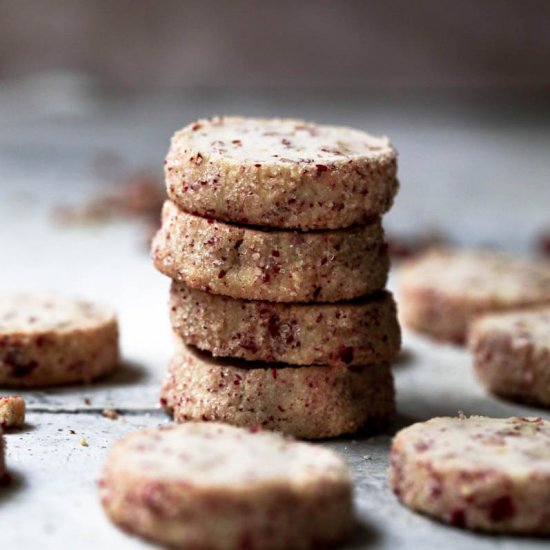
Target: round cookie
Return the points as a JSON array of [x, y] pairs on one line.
[[281, 173], [306, 402], [217, 487], [512, 354], [361, 332], [481, 473], [442, 291], [12, 412], [277, 266], [49, 340]]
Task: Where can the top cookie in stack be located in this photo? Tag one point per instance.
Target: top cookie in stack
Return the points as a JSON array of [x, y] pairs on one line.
[[281, 173], [274, 242]]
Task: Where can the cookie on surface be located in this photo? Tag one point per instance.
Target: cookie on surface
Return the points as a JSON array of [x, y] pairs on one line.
[[213, 486], [277, 266], [12, 412], [281, 173], [442, 291], [306, 402], [49, 340], [512, 354], [360, 332], [490, 474]]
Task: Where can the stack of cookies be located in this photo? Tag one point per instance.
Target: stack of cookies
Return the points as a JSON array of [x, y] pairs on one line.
[[273, 240]]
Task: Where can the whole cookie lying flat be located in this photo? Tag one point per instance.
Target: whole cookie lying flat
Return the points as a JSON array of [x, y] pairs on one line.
[[442, 291], [278, 266], [48, 340], [512, 354], [281, 173], [351, 333], [481, 473], [213, 486], [306, 402]]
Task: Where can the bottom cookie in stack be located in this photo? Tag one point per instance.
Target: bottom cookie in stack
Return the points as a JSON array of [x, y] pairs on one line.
[[311, 402]]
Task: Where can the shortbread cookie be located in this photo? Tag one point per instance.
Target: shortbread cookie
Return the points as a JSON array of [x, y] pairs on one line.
[[278, 266], [48, 340], [444, 290], [281, 173], [360, 332], [512, 354], [306, 402], [12, 412], [213, 486], [480, 473]]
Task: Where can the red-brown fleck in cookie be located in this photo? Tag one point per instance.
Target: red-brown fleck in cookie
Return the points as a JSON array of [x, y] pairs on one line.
[[306, 402], [512, 354], [489, 474], [49, 340], [442, 291], [273, 265], [12, 412], [360, 332], [213, 486], [281, 173]]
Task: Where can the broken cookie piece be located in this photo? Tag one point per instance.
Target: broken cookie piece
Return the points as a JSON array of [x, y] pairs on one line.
[[12, 412]]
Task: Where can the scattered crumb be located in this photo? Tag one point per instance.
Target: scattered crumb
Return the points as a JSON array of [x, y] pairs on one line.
[[72, 432], [110, 413], [543, 244], [138, 196], [12, 412], [87, 401], [367, 457], [83, 442], [402, 247]]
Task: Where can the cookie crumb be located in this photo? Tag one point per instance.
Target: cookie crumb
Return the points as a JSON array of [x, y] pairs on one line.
[[543, 244], [12, 412], [110, 413], [139, 196], [367, 457], [402, 247], [84, 442]]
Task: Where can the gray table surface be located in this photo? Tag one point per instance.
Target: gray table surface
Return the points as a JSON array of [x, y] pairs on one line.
[[480, 177]]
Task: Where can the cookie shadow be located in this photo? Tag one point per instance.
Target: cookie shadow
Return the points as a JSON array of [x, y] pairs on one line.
[[27, 427], [10, 485], [363, 535], [404, 358], [129, 373], [402, 420]]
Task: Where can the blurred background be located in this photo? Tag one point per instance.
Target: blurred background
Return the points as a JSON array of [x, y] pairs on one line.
[[92, 90]]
